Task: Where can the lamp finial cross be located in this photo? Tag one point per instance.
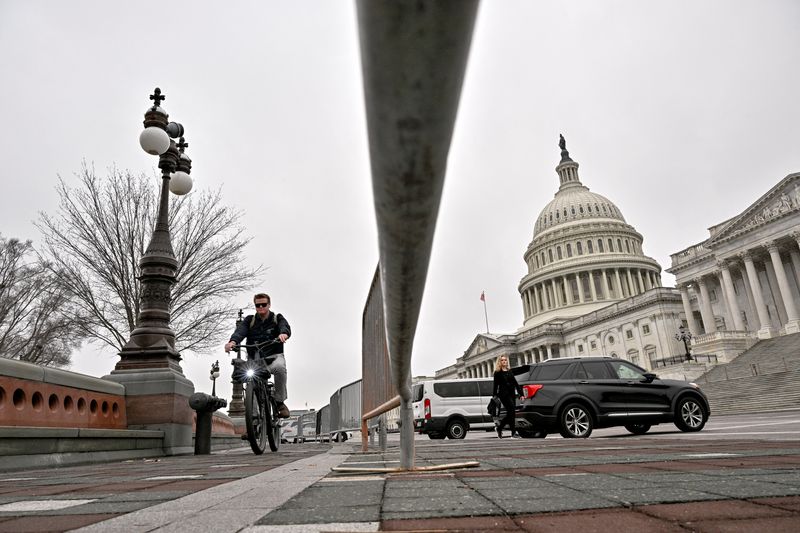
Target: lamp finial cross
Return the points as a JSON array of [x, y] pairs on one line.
[[182, 145], [157, 97]]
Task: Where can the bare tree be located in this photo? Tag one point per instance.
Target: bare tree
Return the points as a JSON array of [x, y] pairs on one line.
[[38, 323], [102, 230]]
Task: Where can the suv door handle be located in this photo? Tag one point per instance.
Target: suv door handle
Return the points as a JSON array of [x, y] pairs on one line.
[[583, 382]]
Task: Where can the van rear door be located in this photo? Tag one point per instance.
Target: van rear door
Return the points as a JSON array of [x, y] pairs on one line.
[[486, 395], [416, 400]]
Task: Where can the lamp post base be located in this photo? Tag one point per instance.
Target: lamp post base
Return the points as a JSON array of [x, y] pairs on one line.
[[158, 398]]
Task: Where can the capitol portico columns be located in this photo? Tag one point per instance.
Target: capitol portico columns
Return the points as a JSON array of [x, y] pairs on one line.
[[765, 330], [706, 311], [687, 309], [794, 255], [730, 296], [793, 320]]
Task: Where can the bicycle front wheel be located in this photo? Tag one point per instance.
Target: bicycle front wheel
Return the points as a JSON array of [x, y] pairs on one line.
[[255, 419], [273, 427]]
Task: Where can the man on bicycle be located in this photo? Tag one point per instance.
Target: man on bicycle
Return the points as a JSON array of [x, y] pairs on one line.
[[266, 326]]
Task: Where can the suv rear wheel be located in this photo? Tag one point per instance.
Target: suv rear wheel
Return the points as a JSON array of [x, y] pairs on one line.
[[690, 415], [575, 422], [456, 429], [638, 429]]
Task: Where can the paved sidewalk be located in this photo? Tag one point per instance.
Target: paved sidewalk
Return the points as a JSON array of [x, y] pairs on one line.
[[664, 483]]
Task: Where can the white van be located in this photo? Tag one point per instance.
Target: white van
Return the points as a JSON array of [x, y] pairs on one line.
[[451, 407]]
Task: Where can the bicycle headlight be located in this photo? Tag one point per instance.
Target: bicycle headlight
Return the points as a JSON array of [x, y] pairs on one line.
[[250, 373]]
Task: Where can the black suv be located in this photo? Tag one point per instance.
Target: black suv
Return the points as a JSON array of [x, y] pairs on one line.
[[577, 394]]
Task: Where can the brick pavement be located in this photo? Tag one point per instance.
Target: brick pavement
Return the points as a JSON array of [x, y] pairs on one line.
[[664, 483]]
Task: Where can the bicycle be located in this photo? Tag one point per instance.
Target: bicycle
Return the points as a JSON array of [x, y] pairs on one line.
[[260, 407]]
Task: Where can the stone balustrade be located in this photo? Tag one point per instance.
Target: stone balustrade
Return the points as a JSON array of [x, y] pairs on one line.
[[36, 396]]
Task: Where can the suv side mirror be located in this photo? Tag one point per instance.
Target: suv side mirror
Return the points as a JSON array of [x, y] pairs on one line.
[[649, 377]]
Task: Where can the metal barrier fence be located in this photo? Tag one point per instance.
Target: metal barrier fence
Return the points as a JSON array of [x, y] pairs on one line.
[[345, 406], [307, 426], [376, 369], [324, 422]]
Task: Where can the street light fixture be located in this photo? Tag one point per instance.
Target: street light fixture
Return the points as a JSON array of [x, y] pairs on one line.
[[685, 336], [152, 342]]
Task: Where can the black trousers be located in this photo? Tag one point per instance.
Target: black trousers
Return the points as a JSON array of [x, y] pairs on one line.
[[509, 404]]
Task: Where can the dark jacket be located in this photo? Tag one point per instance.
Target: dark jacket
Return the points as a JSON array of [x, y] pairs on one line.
[[505, 384], [257, 330]]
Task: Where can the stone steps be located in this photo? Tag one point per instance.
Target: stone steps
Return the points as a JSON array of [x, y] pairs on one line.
[[770, 353], [765, 377]]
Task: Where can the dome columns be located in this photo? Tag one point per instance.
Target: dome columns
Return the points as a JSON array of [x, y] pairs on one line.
[[606, 289], [586, 286]]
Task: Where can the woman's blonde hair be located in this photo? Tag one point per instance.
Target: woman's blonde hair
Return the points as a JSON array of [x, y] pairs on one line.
[[498, 366]]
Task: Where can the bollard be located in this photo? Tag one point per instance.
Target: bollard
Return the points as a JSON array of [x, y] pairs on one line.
[[205, 405], [382, 432]]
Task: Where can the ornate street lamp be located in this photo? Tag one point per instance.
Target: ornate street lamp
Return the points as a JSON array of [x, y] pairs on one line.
[[152, 342], [685, 336]]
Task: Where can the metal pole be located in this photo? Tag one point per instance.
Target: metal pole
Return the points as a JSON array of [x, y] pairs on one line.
[[485, 314]]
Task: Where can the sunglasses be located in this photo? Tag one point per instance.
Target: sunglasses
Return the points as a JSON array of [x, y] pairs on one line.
[[261, 305]]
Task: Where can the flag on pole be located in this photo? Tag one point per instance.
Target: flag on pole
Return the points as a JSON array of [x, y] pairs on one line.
[[485, 314]]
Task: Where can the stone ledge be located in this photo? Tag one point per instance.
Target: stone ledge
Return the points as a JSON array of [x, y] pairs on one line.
[[17, 462], [21, 370], [72, 433]]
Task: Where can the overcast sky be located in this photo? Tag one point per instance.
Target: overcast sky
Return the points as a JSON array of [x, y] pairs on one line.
[[682, 113]]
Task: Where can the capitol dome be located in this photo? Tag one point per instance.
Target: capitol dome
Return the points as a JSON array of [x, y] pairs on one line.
[[583, 255], [575, 202]]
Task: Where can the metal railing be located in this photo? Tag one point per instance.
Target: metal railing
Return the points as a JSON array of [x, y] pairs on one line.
[[413, 62], [680, 359]]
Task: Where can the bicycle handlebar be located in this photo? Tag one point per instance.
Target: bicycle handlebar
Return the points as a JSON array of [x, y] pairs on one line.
[[257, 346]]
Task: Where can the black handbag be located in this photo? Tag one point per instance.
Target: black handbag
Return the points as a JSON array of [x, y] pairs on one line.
[[494, 406]]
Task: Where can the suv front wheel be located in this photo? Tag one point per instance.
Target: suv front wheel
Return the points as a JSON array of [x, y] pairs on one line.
[[575, 422], [690, 415]]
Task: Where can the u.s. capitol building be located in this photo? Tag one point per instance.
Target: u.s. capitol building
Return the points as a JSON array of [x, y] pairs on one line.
[[591, 290]]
